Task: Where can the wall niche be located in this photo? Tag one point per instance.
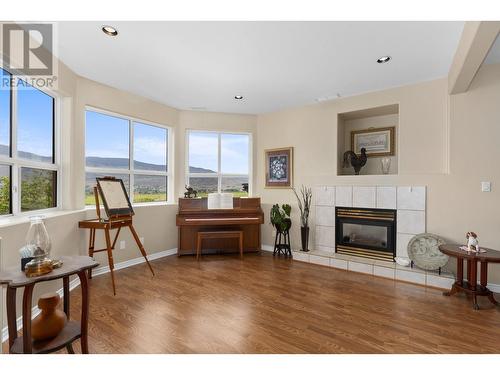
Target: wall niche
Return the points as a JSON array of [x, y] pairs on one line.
[[367, 119]]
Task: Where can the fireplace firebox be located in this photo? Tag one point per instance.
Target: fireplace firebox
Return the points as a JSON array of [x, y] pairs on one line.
[[366, 232]]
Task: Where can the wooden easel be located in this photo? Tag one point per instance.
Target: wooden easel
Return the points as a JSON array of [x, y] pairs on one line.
[[113, 222]]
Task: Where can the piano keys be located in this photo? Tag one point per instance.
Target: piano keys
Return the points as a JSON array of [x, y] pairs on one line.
[[194, 215]]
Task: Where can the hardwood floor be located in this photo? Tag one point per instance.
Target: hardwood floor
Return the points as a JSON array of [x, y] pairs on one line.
[[263, 304]]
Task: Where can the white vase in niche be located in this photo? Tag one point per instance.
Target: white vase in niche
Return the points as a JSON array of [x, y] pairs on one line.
[[386, 165]]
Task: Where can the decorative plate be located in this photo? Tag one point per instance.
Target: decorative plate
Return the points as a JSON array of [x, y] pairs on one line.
[[423, 250]]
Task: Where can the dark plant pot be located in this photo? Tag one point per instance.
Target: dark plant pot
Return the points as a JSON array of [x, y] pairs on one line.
[[304, 236]]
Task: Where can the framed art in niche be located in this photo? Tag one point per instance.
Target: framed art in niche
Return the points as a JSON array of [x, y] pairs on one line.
[[376, 141]]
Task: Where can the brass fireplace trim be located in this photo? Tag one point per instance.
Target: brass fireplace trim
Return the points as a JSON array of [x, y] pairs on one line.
[[367, 217], [365, 214], [365, 253]]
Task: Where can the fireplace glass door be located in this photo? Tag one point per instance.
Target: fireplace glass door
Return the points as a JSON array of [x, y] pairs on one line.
[[373, 236]]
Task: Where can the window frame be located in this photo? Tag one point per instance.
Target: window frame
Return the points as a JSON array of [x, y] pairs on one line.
[[219, 175], [16, 163], [131, 171]]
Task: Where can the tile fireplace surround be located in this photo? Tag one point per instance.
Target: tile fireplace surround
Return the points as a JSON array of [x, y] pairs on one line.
[[410, 204], [408, 201]]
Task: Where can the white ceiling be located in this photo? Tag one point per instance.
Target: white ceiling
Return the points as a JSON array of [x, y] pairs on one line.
[[493, 56], [274, 65]]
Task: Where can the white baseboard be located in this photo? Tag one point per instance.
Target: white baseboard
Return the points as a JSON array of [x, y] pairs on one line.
[[132, 262], [267, 248], [98, 271]]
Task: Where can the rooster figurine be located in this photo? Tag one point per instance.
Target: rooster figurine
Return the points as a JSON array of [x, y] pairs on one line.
[[356, 161]]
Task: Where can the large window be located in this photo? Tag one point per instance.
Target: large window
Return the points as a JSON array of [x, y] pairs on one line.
[[130, 149], [218, 162], [29, 167]]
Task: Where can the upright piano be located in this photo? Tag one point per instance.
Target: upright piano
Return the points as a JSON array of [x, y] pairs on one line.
[[194, 215]]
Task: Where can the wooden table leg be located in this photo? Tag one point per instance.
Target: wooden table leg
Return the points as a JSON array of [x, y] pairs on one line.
[[459, 280], [460, 271], [484, 282], [11, 315], [473, 275], [27, 301], [66, 296], [85, 312], [473, 282], [66, 305], [469, 268], [484, 274]]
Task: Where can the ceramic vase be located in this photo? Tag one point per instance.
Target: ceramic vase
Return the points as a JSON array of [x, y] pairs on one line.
[[51, 320], [304, 236]]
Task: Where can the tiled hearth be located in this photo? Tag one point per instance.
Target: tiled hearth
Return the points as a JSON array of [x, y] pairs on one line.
[[377, 268], [409, 201]]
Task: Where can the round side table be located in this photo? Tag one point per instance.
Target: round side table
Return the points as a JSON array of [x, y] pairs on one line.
[[14, 279], [473, 260]]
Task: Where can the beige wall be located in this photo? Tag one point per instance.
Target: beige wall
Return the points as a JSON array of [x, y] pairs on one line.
[[449, 144]]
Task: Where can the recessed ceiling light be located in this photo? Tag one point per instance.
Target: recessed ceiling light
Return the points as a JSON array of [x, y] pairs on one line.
[[238, 97], [109, 30], [383, 59]]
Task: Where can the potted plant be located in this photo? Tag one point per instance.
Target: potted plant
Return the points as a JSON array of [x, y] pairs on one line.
[[280, 217], [304, 202]]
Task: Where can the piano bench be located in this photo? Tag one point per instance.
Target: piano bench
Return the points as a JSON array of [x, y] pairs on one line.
[[219, 235]]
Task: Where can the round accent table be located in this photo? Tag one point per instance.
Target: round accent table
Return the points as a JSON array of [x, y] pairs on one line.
[[15, 278], [470, 286]]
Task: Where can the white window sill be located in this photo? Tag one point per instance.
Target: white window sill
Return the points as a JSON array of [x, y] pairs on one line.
[[135, 205], [25, 218]]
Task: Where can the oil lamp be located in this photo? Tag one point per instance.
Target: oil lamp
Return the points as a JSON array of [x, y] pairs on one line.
[[38, 243]]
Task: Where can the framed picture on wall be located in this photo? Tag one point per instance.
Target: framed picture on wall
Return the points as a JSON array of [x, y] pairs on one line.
[[376, 141], [279, 167]]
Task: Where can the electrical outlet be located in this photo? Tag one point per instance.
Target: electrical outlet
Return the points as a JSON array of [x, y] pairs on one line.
[[122, 245], [486, 186]]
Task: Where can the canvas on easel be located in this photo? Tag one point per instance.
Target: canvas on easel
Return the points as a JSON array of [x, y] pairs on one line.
[[114, 196], [119, 213]]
